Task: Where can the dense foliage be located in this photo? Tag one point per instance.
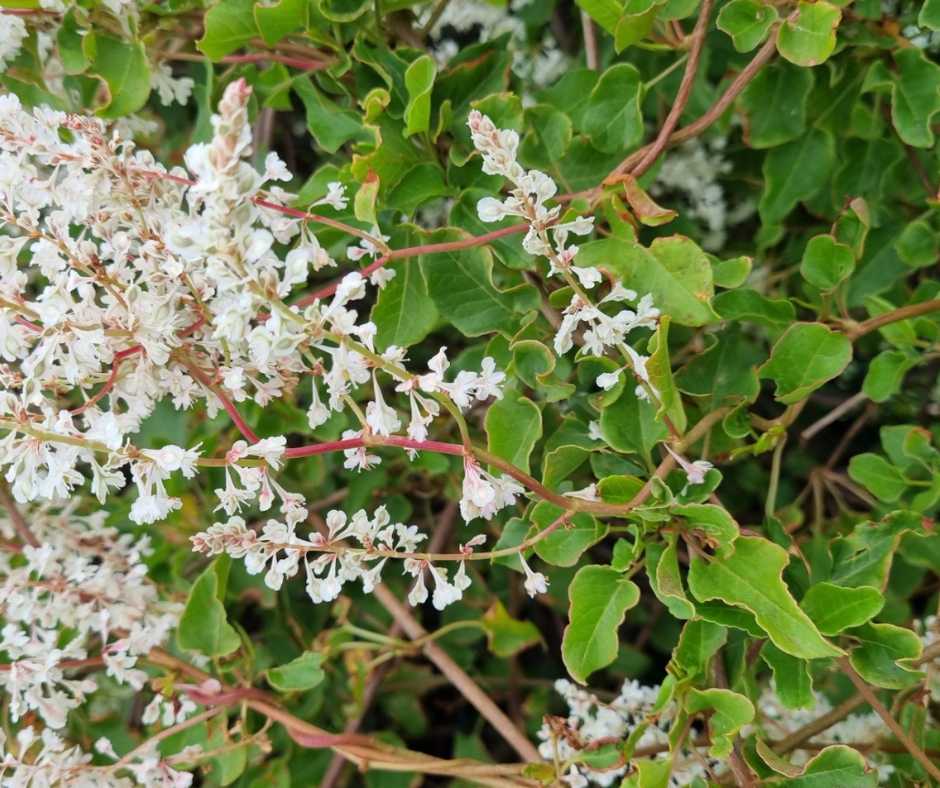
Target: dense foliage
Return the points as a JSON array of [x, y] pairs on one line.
[[469, 393]]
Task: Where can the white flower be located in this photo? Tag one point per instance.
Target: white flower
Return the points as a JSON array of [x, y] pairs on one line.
[[13, 33], [317, 413], [484, 494], [358, 459], [607, 380], [694, 471], [335, 196], [271, 450], [588, 276], [535, 582], [382, 419]]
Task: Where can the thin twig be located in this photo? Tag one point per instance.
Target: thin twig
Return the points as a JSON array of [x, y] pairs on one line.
[[763, 56], [16, 518], [590, 41], [467, 687], [895, 315], [364, 751], [796, 739], [834, 415], [335, 769], [682, 97], [872, 699]]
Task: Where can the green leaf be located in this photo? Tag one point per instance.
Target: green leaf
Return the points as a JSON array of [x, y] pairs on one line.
[[630, 424], [69, 39], [804, 358], [698, 643], [834, 767], [124, 68], [726, 372], [613, 118], [421, 183], [674, 270], [826, 263], [203, 626], [835, 608], [919, 244], [662, 570], [717, 525], [330, 125], [881, 658], [774, 105], [505, 635], [809, 38], [746, 304], [419, 81], [303, 673], [727, 616], [636, 23], [599, 599], [747, 22], [229, 25], [929, 14], [878, 476], [752, 578], [548, 135], [732, 272], [364, 201], [566, 545], [915, 94], [461, 284], [864, 557], [605, 12], [279, 19], [404, 313], [659, 368], [792, 678], [646, 773], [885, 374], [513, 426], [793, 172], [230, 763], [730, 712]]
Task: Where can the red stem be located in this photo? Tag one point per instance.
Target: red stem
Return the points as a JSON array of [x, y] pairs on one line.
[[250, 435], [374, 440], [414, 251]]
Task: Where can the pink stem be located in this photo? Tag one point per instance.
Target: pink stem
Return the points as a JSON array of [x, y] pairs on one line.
[[358, 443], [414, 251]]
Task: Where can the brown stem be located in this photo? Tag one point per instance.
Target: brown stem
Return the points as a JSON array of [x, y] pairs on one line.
[[833, 415], [467, 687], [827, 720], [16, 518], [335, 769], [902, 313], [764, 54], [364, 751], [590, 41], [872, 699], [682, 97]]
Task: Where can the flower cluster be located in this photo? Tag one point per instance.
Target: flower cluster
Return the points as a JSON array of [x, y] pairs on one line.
[[145, 283], [47, 759], [350, 549], [548, 237], [85, 579]]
